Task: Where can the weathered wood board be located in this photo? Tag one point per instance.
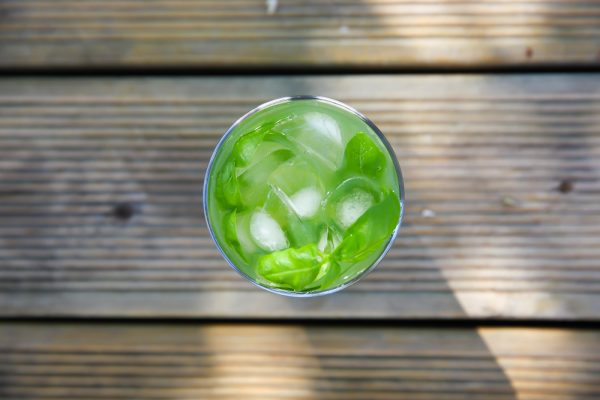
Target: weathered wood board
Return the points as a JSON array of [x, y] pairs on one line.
[[230, 361], [501, 174], [298, 33]]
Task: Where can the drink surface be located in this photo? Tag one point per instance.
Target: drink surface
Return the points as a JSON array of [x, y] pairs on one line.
[[303, 196]]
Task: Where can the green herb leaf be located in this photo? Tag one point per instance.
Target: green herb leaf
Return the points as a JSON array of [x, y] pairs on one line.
[[363, 156], [331, 275], [370, 231], [230, 232], [227, 186], [246, 145], [292, 268], [229, 227]]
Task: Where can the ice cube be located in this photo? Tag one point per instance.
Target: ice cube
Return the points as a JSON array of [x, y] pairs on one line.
[[347, 202], [325, 125], [306, 202], [352, 206], [281, 209], [295, 175], [266, 232], [242, 232], [252, 179], [317, 136], [328, 240], [299, 186], [322, 240]]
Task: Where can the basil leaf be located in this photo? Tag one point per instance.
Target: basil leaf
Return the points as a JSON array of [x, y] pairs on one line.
[[370, 231], [227, 186], [328, 274], [229, 227], [363, 156], [292, 268], [230, 232], [333, 274], [246, 145]]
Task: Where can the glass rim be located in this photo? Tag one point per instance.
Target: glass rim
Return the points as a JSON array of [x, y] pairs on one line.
[[343, 106]]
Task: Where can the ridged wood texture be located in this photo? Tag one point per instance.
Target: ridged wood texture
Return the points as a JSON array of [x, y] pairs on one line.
[[104, 361], [298, 33], [501, 173]]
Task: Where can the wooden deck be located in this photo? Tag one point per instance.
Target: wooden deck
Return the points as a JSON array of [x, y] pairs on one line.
[[174, 361], [110, 287], [298, 33], [488, 231]]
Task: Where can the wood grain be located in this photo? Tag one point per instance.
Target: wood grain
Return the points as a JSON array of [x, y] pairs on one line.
[[119, 361], [501, 172], [299, 33]]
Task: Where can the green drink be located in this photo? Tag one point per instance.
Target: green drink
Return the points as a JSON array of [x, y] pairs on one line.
[[303, 196]]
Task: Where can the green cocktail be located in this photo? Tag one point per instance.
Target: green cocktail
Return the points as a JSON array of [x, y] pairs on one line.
[[303, 196]]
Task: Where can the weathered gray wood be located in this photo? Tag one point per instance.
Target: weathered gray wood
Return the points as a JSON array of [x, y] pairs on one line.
[[118, 361], [298, 33], [502, 179]]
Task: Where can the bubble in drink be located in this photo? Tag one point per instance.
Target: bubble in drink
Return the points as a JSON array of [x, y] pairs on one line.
[[303, 196]]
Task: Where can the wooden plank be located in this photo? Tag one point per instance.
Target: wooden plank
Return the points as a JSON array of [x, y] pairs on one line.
[[298, 33], [118, 361], [502, 179]]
